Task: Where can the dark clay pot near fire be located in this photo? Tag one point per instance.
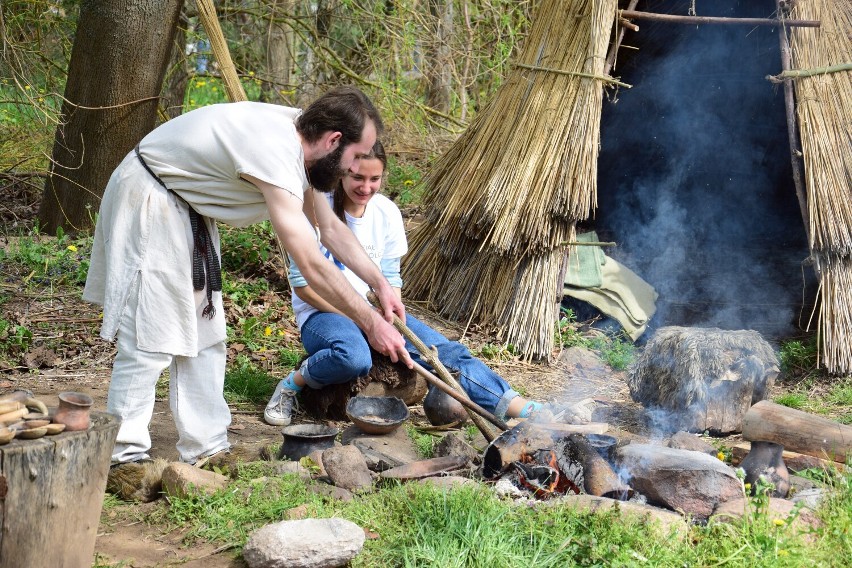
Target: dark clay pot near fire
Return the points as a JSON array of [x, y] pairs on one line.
[[765, 460], [302, 439], [442, 409]]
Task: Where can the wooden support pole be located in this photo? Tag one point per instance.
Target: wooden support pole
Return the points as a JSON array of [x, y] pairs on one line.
[[613, 50], [793, 129], [432, 358], [676, 19]]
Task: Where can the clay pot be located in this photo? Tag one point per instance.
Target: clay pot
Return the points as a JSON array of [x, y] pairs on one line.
[[765, 461], [302, 439], [442, 409], [73, 411]]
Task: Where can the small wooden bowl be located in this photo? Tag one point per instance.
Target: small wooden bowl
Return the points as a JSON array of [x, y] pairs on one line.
[[29, 424], [32, 433], [54, 428], [6, 435]]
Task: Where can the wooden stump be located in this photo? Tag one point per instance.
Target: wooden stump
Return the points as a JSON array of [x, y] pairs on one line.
[[385, 379], [51, 493]]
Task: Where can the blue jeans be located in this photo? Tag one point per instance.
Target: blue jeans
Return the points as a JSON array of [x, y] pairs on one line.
[[339, 352]]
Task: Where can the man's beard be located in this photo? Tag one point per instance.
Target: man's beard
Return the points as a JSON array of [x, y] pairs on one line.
[[325, 174]]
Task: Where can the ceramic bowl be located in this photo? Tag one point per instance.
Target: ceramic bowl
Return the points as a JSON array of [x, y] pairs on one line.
[[32, 433], [54, 428], [377, 414], [6, 435], [39, 423]]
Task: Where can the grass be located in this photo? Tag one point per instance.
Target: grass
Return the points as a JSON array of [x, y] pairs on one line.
[[419, 525], [616, 350]]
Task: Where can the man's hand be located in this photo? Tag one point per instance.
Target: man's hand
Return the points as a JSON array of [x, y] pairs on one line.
[[385, 339], [391, 304]]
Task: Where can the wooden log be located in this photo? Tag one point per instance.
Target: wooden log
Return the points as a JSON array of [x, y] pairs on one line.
[[798, 431], [51, 493], [677, 19]]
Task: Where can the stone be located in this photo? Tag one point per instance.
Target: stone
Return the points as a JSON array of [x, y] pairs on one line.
[[691, 483], [453, 444], [347, 468], [183, 479], [304, 543], [686, 441], [667, 522], [382, 452], [811, 498], [783, 509], [702, 379]]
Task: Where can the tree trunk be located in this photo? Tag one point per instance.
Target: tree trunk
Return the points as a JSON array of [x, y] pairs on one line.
[[278, 59], [439, 66], [177, 75], [120, 54]]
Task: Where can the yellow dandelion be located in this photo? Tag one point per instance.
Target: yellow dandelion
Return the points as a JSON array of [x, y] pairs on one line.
[[26, 87], [281, 333], [747, 486], [251, 73], [214, 89], [720, 456], [778, 522], [201, 84], [268, 331], [72, 248], [408, 182], [782, 552]]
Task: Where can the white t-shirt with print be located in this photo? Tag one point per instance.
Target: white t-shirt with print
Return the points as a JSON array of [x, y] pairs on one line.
[[382, 234]]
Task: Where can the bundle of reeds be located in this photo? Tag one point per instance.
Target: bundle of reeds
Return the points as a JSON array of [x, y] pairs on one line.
[[822, 61], [509, 192]]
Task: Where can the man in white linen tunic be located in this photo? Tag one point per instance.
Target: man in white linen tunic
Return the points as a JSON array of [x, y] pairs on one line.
[[238, 163]]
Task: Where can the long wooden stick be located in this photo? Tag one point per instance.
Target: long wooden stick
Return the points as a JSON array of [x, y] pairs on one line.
[[442, 372], [797, 73], [676, 19], [793, 129], [613, 49]]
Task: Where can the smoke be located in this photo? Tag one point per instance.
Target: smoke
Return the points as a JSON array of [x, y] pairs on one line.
[[695, 181]]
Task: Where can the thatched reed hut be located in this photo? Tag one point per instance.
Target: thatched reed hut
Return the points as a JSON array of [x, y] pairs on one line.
[[690, 172]]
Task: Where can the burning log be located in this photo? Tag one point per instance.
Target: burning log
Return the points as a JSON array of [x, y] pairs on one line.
[[526, 438], [705, 378], [590, 469], [798, 431]]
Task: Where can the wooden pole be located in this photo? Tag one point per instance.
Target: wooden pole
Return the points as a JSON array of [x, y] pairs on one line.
[[613, 51], [675, 19], [793, 129], [210, 23], [798, 431], [442, 372]]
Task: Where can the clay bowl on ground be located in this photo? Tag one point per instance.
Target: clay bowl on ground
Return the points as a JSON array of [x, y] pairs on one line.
[[377, 414]]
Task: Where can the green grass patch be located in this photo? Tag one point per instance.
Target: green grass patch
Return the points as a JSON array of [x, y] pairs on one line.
[[247, 383], [797, 400], [425, 442], [403, 182], [47, 260], [420, 525]]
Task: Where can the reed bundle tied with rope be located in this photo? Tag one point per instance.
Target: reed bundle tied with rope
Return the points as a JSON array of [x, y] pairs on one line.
[[825, 120], [509, 192], [824, 112]]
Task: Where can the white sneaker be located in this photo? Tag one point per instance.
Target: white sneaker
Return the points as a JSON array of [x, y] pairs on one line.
[[279, 410]]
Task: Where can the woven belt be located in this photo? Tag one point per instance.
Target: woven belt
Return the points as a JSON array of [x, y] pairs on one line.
[[205, 262]]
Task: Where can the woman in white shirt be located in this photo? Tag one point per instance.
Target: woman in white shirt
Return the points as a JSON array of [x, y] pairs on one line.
[[337, 350]]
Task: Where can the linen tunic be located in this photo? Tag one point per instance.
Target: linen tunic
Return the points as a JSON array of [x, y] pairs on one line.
[[143, 234]]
